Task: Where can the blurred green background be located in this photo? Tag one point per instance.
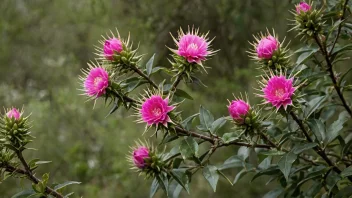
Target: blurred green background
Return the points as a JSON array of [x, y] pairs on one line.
[[44, 44]]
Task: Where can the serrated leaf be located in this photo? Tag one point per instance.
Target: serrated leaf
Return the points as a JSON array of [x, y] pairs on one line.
[[206, 118], [334, 129], [318, 128], [183, 94], [63, 185], [211, 175], [187, 123], [189, 148], [313, 105], [285, 163], [149, 65], [303, 147], [217, 124]]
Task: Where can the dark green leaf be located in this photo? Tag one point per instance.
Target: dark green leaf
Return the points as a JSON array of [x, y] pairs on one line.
[[163, 182], [334, 129], [181, 178], [239, 175], [189, 148], [313, 105], [347, 172], [187, 123], [149, 65], [183, 94], [298, 149], [265, 164], [174, 189], [285, 163], [63, 185], [270, 171], [206, 118], [232, 162], [345, 192], [318, 128], [304, 56], [274, 193], [211, 175], [217, 124], [154, 188]]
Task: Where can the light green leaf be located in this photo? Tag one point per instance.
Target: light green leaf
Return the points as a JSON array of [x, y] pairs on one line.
[[206, 118], [285, 163], [318, 128], [63, 185], [211, 175], [243, 152], [239, 175], [272, 153], [335, 128], [306, 55], [228, 137], [265, 164], [189, 148], [232, 162], [217, 124], [149, 65], [303, 147]]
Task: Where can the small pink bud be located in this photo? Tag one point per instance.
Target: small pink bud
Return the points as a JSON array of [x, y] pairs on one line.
[[13, 113], [139, 155], [266, 47], [303, 7], [238, 109], [96, 82], [155, 110], [111, 46]]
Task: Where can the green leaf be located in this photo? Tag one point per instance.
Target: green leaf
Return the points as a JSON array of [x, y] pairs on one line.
[[274, 170], [206, 118], [149, 65], [174, 189], [285, 163], [24, 194], [343, 76], [189, 148], [306, 55], [211, 175], [154, 188], [265, 164], [181, 178], [63, 185], [187, 123], [303, 147], [243, 152], [163, 182], [42, 162], [183, 94], [313, 105], [347, 172], [239, 175], [335, 128], [228, 137], [217, 124], [272, 152], [341, 49], [318, 128], [232, 162], [345, 192], [274, 193]]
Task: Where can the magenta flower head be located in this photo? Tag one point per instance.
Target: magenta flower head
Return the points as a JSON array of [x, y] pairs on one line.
[[238, 110], [112, 46], [140, 154], [278, 91], [13, 113], [303, 7], [95, 81], [155, 109], [192, 46], [267, 46]]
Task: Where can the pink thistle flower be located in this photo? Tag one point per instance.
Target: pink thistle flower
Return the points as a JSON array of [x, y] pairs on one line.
[[192, 46], [267, 46], [13, 113], [96, 82], [238, 109], [111, 46], [155, 110], [278, 91], [140, 154], [303, 7]]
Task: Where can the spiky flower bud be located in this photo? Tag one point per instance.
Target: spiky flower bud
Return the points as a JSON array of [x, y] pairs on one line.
[[269, 52], [145, 159], [14, 130], [308, 21], [119, 53]]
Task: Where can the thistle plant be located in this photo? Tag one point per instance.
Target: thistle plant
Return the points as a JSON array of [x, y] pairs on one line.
[[299, 135]]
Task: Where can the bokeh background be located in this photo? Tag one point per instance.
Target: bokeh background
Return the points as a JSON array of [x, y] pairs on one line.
[[44, 44]]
